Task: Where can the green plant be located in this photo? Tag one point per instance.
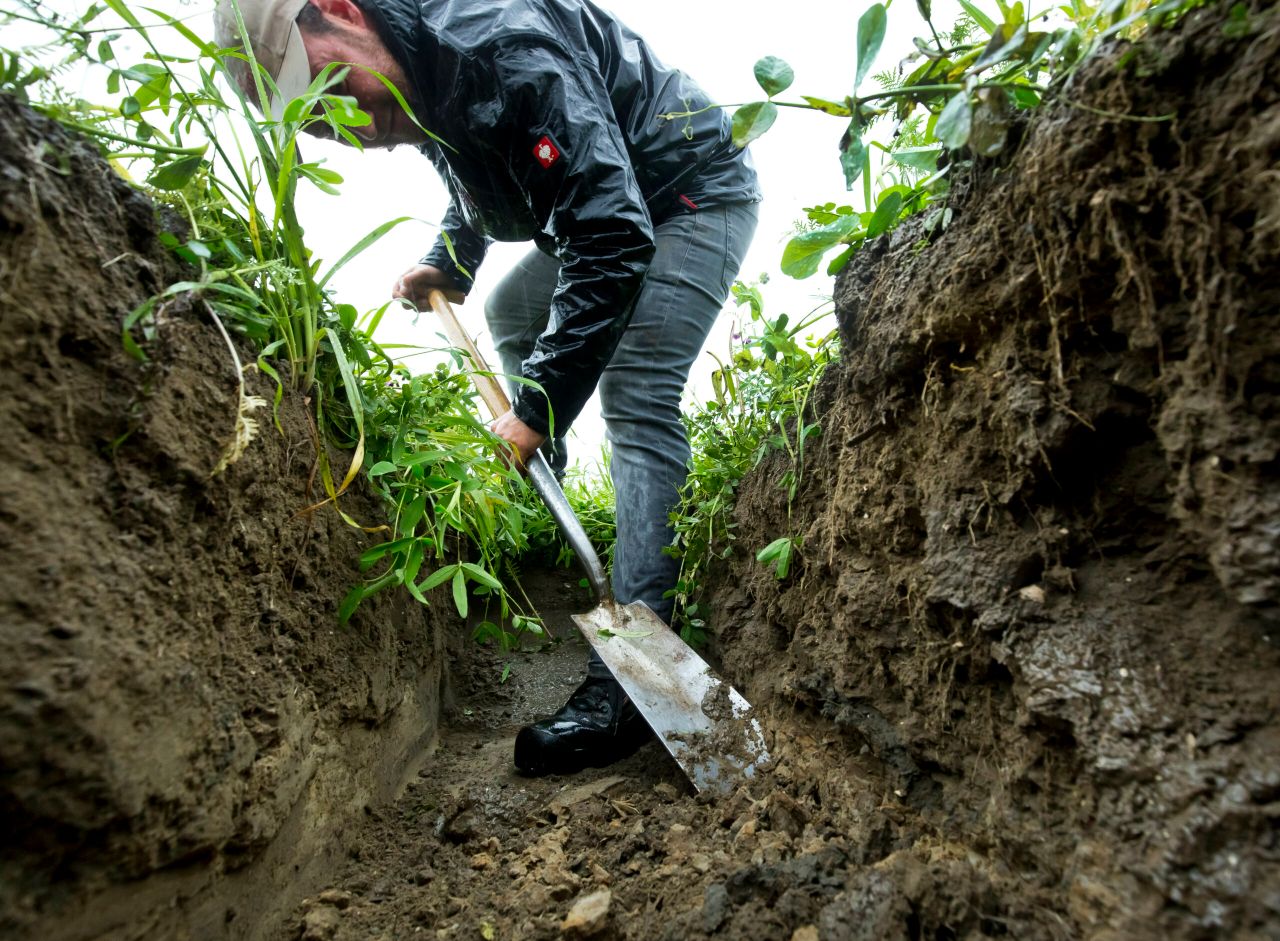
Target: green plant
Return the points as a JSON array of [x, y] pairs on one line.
[[969, 82], [245, 242], [589, 491], [760, 407], [455, 512], [778, 554]]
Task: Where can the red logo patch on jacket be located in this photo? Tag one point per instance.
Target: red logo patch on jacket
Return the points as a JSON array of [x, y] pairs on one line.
[[546, 152]]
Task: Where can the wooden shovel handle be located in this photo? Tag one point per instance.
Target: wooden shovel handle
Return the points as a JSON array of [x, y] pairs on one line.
[[540, 474], [486, 383]]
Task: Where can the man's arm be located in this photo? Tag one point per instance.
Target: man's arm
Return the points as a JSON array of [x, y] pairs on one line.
[[468, 247], [559, 138]]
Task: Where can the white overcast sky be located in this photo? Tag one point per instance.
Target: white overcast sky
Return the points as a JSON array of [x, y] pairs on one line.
[[716, 42]]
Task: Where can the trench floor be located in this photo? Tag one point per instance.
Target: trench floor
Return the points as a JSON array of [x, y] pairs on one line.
[[473, 850]]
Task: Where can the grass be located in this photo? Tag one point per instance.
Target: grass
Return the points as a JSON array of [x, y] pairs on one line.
[[180, 123], [760, 407]]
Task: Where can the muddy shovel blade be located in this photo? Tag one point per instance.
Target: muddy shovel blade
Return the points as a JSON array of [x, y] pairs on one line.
[[706, 724]]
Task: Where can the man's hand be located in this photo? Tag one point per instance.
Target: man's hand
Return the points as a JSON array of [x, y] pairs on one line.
[[520, 438], [414, 285]]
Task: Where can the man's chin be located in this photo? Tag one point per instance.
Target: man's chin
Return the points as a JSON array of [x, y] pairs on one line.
[[401, 129]]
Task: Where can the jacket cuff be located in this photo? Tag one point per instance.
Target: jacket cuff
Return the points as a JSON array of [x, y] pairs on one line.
[[438, 257], [534, 417]]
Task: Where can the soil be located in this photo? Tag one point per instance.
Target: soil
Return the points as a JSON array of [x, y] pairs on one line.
[[183, 726], [1039, 576], [1023, 680]]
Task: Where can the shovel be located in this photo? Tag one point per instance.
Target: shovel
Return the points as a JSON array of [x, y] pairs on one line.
[[706, 725]]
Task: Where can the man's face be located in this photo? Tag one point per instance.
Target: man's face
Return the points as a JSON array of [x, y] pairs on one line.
[[358, 44]]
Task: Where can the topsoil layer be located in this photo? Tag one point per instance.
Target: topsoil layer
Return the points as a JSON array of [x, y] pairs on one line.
[[1040, 577], [1022, 682]]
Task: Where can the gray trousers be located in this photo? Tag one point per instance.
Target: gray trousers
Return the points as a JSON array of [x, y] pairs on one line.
[[698, 256]]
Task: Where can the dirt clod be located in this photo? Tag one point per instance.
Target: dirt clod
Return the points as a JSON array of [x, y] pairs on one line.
[[589, 914]]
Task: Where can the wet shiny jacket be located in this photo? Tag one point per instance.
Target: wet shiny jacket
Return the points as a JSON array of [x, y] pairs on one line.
[[550, 112]]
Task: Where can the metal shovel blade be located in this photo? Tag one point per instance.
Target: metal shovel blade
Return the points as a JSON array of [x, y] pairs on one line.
[[706, 724]]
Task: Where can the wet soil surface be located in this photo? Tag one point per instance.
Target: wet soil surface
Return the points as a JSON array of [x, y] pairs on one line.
[[472, 849], [1023, 681], [175, 693], [1031, 578]]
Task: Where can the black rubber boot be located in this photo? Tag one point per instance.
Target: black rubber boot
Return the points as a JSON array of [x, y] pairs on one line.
[[597, 726]]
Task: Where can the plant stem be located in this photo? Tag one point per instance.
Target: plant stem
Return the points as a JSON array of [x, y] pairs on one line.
[[93, 131], [910, 90], [892, 93], [672, 115], [81, 31], [1141, 118]]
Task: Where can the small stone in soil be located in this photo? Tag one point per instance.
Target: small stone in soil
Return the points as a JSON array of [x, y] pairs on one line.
[[588, 914], [320, 924], [665, 791], [461, 826], [785, 815], [715, 906], [335, 897]]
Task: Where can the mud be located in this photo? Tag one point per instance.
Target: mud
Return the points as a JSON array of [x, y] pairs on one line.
[[183, 727], [473, 849], [1022, 681], [1039, 568]]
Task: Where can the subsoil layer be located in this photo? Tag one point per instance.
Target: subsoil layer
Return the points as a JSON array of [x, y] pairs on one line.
[[1039, 581], [183, 725]]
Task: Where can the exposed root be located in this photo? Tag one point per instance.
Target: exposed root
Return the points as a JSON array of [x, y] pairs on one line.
[[246, 426]]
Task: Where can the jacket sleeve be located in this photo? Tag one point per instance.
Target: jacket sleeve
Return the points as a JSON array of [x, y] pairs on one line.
[[561, 143], [468, 246]]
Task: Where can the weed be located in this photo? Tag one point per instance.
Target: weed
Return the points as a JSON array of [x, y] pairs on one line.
[[454, 511], [958, 101], [760, 407]]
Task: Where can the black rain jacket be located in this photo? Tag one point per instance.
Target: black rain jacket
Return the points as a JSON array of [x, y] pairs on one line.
[[550, 112]]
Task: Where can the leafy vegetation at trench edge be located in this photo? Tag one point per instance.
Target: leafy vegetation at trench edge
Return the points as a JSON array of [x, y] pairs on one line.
[[417, 437], [457, 517], [955, 106], [952, 99]]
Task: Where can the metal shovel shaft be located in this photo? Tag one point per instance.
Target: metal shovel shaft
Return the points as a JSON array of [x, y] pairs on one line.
[[541, 476]]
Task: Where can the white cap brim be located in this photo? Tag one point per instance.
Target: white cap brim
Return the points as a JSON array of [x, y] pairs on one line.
[[295, 73]]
